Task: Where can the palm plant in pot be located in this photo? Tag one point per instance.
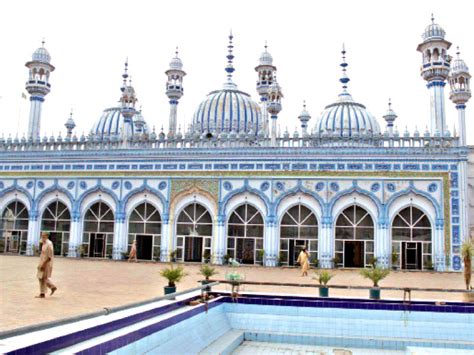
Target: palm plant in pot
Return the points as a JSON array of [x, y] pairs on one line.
[[375, 274], [323, 278], [207, 271], [173, 275]]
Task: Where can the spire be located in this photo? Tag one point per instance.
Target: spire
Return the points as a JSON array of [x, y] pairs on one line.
[[230, 57], [125, 75], [344, 79]]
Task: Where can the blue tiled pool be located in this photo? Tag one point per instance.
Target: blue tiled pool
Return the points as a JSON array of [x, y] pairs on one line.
[[227, 325]]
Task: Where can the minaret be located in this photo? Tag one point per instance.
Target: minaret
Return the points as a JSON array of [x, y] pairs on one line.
[[304, 117], [459, 81], [390, 117], [38, 87], [174, 90], [435, 70], [128, 99], [274, 107], [265, 71], [70, 125]]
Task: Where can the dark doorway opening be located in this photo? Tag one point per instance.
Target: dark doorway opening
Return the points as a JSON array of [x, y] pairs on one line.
[[97, 245], [56, 239], [353, 254], [411, 255], [144, 247], [246, 250], [193, 249]]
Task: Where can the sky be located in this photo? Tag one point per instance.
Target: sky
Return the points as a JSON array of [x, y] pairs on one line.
[[89, 41]]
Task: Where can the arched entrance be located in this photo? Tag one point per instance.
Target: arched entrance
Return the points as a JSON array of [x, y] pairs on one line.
[[298, 230], [14, 228], [245, 234], [411, 239], [354, 240], [144, 226], [56, 220], [98, 236], [194, 234]]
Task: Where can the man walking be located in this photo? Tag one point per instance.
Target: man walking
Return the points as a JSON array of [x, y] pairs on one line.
[[45, 266]]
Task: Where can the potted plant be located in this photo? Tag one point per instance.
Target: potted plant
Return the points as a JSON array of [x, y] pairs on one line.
[[207, 271], [323, 278], [260, 255], [207, 257], [394, 261], [375, 274], [315, 262], [373, 261], [335, 261], [226, 259], [429, 265], [173, 275], [467, 253]]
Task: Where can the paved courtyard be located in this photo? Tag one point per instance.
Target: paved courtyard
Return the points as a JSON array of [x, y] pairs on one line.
[[90, 285]]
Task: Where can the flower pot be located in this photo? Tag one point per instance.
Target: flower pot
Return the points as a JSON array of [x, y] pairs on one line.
[[324, 292], [170, 289], [205, 282], [374, 293]]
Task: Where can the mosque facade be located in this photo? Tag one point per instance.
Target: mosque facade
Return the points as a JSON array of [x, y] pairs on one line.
[[231, 186]]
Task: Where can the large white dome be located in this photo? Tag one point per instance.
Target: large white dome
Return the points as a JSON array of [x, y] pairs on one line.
[[227, 110], [346, 118]]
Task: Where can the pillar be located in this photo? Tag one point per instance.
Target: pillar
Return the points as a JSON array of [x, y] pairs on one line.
[[33, 233]]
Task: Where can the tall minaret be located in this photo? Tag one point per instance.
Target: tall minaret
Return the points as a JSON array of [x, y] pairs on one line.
[[390, 117], [128, 99], [435, 70], [459, 80], [304, 117], [265, 70], [174, 89], [38, 87], [274, 107]]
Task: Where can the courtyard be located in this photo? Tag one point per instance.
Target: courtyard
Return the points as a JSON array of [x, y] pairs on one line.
[[88, 285]]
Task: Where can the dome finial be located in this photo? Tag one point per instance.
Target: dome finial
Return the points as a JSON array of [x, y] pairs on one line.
[[230, 57], [458, 52], [344, 79], [432, 18], [42, 42], [176, 52], [266, 45]]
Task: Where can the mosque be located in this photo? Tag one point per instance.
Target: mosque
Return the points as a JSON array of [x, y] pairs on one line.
[[232, 186]]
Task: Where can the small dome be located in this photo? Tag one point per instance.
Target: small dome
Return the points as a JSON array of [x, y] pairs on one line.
[[176, 64], [345, 117], [459, 66], [227, 110], [433, 31], [41, 55], [266, 58], [113, 123]]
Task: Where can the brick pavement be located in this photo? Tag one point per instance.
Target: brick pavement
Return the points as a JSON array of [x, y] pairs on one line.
[[90, 285]]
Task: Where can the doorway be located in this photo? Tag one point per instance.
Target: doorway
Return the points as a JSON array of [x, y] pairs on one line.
[[353, 254], [412, 255], [245, 250], [295, 247], [13, 242], [56, 239], [144, 247], [193, 249], [97, 244]]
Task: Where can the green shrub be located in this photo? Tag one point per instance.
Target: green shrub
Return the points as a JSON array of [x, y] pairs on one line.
[[375, 274], [173, 274]]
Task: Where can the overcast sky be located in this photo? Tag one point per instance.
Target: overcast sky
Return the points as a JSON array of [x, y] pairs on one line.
[[89, 41]]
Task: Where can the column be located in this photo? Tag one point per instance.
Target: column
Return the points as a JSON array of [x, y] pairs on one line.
[[75, 236], [270, 242], [439, 258], [120, 236], [32, 242], [382, 245], [166, 238], [438, 121], [325, 247], [462, 124], [173, 114], [219, 241], [274, 130], [35, 116]]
